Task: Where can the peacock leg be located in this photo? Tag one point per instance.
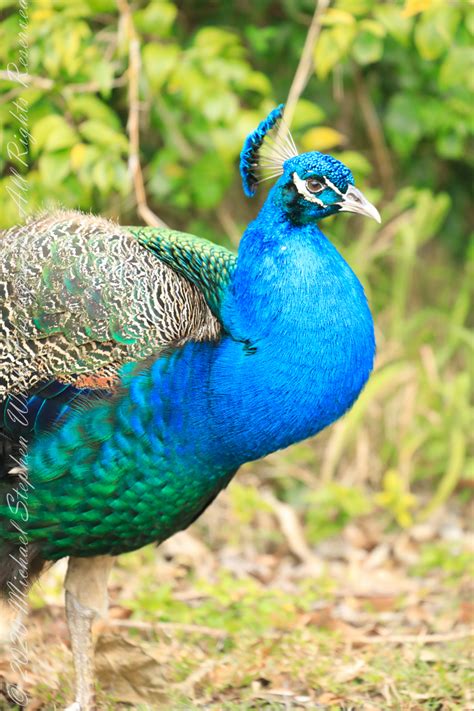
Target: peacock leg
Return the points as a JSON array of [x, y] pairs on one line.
[[86, 599]]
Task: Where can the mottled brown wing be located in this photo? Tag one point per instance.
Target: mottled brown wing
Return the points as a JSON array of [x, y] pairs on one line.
[[80, 296]]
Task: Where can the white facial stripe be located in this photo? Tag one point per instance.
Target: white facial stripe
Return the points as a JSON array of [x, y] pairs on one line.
[[332, 186], [300, 185]]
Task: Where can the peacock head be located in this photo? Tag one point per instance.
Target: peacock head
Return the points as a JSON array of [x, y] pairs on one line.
[[310, 186]]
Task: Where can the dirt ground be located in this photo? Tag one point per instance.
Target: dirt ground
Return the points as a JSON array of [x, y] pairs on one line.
[[245, 614]]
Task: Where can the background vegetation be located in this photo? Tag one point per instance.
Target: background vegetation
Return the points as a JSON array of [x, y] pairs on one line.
[[389, 92]]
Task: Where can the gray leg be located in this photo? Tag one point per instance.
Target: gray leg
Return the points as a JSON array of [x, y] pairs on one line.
[[86, 599]]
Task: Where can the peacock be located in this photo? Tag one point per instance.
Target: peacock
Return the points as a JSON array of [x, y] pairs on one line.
[[140, 367]]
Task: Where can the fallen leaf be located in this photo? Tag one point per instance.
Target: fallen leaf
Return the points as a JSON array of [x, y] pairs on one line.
[[328, 698], [466, 612], [350, 671], [128, 672]]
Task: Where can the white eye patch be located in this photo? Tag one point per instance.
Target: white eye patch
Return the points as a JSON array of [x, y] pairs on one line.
[[332, 186], [300, 185]]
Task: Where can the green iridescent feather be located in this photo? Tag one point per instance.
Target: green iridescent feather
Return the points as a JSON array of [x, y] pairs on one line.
[[207, 265]]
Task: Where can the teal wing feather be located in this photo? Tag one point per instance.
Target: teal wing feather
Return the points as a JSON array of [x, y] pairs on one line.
[[206, 265], [73, 286]]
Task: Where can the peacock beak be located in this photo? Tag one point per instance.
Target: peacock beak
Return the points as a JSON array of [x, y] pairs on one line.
[[354, 201]]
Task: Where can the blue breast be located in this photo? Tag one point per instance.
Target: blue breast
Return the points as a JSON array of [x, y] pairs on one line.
[[299, 349]]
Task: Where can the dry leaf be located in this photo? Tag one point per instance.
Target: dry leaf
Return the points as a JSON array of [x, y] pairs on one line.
[[328, 698], [350, 671], [128, 672]]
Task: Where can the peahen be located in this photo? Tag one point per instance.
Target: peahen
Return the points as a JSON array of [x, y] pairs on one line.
[[141, 367]]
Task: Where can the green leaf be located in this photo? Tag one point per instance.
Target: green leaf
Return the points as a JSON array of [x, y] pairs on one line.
[[333, 16], [258, 82], [156, 18], [332, 47], [103, 176], [102, 5], [307, 113], [159, 60], [469, 19], [368, 48], [434, 31], [450, 145], [395, 23], [91, 107], [376, 28], [103, 135], [54, 167], [104, 76], [207, 179], [358, 163], [403, 123], [52, 133], [221, 106], [355, 7], [458, 69], [215, 42]]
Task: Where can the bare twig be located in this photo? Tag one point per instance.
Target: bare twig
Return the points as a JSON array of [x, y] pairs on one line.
[[196, 677], [228, 224], [305, 67], [133, 125], [27, 80], [10, 95], [375, 134], [412, 638], [293, 532], [388, 232]]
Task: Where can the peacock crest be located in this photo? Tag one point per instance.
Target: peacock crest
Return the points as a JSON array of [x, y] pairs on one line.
[[265, 151]]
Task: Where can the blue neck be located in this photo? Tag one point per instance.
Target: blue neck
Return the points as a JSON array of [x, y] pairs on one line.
[[300, 348]]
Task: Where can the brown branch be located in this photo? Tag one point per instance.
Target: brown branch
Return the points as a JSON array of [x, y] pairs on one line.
[[293, 532], [305, 67], [196, 677], [228, 224], [375, 134], [412, 638], [27, 80], [133, 124], [388, 232], [10, 95]]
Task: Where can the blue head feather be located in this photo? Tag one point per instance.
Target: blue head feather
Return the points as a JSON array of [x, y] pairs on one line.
[[319, 165], [291, 192], [252, 145]]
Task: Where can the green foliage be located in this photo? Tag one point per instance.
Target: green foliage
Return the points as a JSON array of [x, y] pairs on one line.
[[332, 507], [389, 95], [395, 498], [203, 86], [246, 502], [450, 558], [221, 606]]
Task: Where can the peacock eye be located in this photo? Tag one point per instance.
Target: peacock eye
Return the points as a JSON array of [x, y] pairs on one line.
[[314, 185]]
